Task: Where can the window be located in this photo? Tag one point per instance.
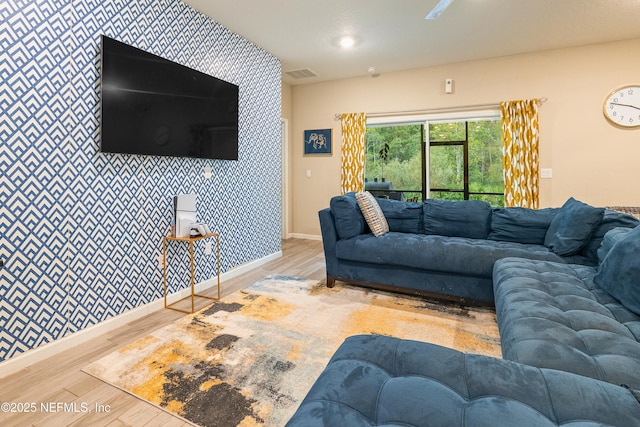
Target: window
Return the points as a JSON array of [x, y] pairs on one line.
[[465, 161], [394, 161], [462, 160]]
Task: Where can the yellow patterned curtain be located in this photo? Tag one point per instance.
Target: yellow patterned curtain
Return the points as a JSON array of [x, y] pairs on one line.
[[520, 137], [354, 128]]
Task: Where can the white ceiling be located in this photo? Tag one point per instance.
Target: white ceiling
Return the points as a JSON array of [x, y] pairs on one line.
[[393, 35]]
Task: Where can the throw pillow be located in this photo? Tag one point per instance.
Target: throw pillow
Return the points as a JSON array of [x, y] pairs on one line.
[[404, 217], [619, 273], [457, 218], [572, 227], [521, 225], [612, 237], [348, 218], [610, 219], [372, 213]]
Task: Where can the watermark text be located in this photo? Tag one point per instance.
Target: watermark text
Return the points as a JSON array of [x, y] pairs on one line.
[[53, 407]]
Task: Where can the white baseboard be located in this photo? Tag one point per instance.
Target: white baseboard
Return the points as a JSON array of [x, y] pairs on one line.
[[306, 236], [36, 355]]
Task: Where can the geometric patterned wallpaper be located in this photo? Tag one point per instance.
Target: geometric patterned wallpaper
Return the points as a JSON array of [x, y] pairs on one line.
[[81, 231]]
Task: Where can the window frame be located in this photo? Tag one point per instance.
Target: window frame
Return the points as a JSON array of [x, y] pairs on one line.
[[425, 120]]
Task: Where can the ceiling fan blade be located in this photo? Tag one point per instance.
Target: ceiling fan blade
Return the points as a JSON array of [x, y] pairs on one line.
[[438, 9]]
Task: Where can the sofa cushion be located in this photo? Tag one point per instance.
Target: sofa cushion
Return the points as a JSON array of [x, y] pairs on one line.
[[372, 213], [457, 218], [619, 273], [405, 217], [521, 225], [347, 216], [610, 219], [553, 315], [572, 227], [612, 237], [456, 255], [375, 380]]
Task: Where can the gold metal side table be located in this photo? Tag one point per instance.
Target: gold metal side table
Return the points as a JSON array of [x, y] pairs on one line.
[[191, 241]]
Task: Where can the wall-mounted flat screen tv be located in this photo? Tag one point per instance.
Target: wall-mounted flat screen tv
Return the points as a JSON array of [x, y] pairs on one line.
[[154, 106]]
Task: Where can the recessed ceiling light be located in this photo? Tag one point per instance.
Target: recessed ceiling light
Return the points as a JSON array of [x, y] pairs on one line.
[[347, 42]]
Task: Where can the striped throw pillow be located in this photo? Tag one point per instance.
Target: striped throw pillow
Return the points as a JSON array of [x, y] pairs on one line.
[[372, 213]]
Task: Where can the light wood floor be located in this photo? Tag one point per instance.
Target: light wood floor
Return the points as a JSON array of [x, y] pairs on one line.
[[59, 379]]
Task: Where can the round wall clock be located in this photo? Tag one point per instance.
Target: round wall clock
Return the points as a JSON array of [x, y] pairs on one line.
[[622, 106]]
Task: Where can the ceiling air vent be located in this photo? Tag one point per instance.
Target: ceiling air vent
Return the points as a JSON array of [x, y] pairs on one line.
[[304, 73]]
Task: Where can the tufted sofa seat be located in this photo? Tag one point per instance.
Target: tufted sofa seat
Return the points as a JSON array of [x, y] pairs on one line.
[[438, 253], [553, 315], [382, 381]]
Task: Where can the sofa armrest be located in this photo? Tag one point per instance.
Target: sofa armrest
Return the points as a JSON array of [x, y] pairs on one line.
[[329, 240]]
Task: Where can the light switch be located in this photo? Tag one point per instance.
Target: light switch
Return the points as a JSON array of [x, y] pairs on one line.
[[546, 173], [207, 248], [308, 173]]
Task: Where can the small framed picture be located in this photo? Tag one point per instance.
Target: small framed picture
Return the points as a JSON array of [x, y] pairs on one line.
[[318, 141]]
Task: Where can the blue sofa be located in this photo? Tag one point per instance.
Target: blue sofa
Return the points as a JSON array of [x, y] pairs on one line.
[[570, 335], [448, 248], [383, 381], [575, 318]]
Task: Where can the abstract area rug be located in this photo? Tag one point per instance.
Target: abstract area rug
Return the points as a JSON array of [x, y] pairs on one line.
[[249, 359]]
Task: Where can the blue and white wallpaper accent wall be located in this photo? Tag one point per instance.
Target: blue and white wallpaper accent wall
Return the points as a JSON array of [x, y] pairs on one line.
[[81, 231]]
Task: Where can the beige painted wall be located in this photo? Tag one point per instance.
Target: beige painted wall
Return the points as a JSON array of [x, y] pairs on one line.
[[591, 160]]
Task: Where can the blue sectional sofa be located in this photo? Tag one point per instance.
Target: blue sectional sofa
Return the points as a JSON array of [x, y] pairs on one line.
[[448, 248], [569, 329], [575, 318], [383, 381]]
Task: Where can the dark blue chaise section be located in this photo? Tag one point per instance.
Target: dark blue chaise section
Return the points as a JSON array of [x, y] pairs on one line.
[[554, 316], [375, 380], [575, 318]]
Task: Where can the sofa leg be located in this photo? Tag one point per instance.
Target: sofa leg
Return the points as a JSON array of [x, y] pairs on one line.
[[331, 282]]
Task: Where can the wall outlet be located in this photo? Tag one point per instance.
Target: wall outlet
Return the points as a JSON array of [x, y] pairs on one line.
[[308, 173], [207, 248], [546, 173], [207, 172], [160, 259]]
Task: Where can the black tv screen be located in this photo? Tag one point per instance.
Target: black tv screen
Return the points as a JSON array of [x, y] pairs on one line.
[[154, 106]]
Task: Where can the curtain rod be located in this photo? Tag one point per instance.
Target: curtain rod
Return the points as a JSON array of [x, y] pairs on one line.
[[338, 116]]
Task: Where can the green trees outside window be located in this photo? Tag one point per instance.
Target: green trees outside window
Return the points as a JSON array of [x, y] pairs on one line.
[[464, 160]]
